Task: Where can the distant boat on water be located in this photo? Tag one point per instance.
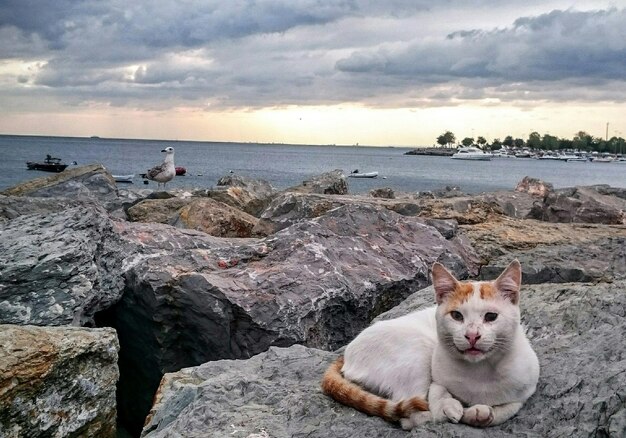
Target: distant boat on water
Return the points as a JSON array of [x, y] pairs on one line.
[[50, 164], [124, 178], [471, 153], [180, 171], [356, 174]]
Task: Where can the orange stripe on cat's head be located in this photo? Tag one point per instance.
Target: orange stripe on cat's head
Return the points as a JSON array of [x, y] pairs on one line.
[[462, 292], [453, 292], [487, 291]]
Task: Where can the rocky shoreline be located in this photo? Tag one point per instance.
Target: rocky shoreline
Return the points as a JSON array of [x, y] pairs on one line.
[[228, 303]]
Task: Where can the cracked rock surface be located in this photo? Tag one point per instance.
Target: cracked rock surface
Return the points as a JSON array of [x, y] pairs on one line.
[[578, 331]]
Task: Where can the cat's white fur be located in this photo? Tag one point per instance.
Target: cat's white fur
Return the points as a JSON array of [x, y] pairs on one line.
[[428, 354]]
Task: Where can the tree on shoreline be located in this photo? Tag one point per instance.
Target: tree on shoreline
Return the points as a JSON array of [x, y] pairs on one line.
[[467, 141], [446, 139], [581, 141]]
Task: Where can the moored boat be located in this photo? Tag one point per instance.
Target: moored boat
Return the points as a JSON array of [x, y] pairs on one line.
[[357, 174], [471, 153], [50, 164], [180, 171], [124, 178]]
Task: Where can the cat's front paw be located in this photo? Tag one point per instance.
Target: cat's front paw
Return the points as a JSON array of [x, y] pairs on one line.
[[452, 409], [478, 415]]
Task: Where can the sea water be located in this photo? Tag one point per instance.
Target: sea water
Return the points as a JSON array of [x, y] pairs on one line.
[[288, 165]]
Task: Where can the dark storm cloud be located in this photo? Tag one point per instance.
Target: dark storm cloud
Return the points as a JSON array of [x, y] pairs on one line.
[[170, 23], [258, 53], [550, 47]]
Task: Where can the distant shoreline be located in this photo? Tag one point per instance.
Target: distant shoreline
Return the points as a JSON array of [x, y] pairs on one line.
[[156, 140]]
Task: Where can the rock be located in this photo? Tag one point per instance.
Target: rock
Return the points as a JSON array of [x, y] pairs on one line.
[[550, 252], [383, 192], [318, 282], [577, 330], [605, 189], [513, 204], [57, 381], [163, 211], [329, 183], [581, 205], [534, 187], [288, 208], [246, 194], [464, 210], [58, 265], [215, 218], [12, 207], [86, 182]]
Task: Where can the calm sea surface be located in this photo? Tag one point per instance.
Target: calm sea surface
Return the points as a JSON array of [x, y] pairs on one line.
[[287, 165]]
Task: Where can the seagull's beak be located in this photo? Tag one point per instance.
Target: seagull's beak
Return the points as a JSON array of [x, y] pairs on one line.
[[163, 150]]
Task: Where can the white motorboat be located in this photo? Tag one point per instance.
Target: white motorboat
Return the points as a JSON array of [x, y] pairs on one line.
[[603, 160], [124, 178], [357, 174], [501, 153], [471, 153]]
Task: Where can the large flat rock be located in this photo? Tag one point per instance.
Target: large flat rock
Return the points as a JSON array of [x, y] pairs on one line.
[[190, 298], [577, 330], [550, 252], [57, 382]]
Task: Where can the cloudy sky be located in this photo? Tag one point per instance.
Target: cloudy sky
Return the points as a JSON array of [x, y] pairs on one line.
[[393, 72]]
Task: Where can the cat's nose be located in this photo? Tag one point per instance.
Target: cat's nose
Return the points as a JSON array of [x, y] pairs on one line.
[[472, 338]]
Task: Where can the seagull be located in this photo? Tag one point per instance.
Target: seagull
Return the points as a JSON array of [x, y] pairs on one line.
[[165, 171]]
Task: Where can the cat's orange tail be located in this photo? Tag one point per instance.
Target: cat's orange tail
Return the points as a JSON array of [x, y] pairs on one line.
[[348, 393]]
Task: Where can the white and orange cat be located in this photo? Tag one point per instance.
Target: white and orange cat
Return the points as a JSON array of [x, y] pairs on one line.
[[465, 360]]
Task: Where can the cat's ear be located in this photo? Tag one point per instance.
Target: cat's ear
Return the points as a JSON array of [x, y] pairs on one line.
[[509, 282], [443, 281]]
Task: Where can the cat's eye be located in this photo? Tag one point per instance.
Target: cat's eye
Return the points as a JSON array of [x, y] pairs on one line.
[[490, 316], [456, 315]]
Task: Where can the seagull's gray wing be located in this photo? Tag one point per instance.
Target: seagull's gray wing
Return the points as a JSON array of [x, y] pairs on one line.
[[156, 170]]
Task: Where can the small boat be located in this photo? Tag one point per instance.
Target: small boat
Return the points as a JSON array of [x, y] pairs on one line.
[[549, 157], [603, 160], [124, 178], [357, 174], [50, 164], [501, 153], [471, 153], [180, 171]]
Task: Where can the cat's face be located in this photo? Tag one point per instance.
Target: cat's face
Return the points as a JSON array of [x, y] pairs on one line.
[[477, 320]]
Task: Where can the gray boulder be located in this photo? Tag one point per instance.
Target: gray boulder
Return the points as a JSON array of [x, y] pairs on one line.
[[318, 283], [514, 204], [594, 204], [382, 192], [249, 195], [329, 183], [59, 264], [12, 207], [162, 211], [86, 182], [288, 208], [577, 330], [534, 187], [600, 260], [550, 252], [57, 381], [215, 218]]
